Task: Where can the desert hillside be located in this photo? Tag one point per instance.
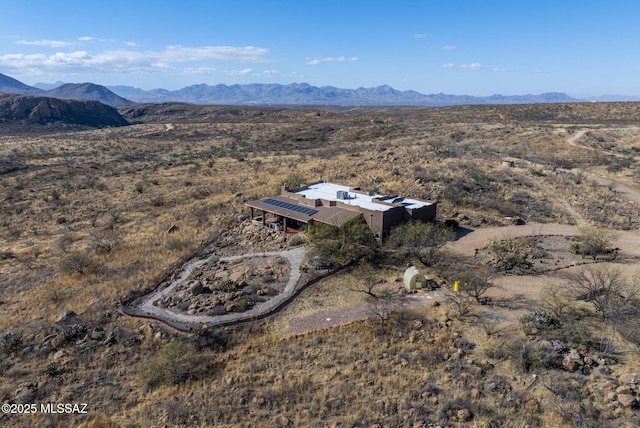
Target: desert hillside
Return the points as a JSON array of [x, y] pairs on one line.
[[95, 217], [22, 111]]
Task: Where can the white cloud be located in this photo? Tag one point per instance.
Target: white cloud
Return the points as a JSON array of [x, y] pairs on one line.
[[85, 38], [317, 61], [243, 72], [449, 47], [131, 44], [475, 66], [128, 60], [46, 43], [421, 36], [271, 72], [200, 70], [180, 53]]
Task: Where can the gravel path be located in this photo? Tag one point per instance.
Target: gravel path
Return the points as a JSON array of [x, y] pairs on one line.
[[358, 312]]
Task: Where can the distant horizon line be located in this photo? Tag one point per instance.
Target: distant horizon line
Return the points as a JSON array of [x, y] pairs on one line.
[[584, 97]]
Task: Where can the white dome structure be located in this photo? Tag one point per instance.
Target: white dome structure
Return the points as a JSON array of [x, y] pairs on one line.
[[414, 279]]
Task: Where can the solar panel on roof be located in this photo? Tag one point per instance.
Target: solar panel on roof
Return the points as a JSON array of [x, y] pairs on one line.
[[291, 207]]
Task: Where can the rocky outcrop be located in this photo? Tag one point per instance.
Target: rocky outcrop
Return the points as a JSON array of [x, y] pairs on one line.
[[44, 110]]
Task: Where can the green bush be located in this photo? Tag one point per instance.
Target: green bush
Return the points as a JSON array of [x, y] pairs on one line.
[[576, 248], [172, 364]]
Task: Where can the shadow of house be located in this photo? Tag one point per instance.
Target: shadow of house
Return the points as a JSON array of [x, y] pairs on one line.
[[336, 204]]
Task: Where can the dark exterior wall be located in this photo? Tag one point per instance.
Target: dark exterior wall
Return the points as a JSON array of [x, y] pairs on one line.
[[375, 220], [427, 213], [392, 218]]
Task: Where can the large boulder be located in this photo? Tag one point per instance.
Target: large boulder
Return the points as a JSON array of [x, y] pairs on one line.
[[196, 288], [572, 361]]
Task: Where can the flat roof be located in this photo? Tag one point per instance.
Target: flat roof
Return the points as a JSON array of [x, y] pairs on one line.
[[329, 191], [330, 215]]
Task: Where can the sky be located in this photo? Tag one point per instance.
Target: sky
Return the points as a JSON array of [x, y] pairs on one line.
[[460, 47]]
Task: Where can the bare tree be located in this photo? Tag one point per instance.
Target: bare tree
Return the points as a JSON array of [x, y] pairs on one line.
[[554, 300], [609, 292], [76, 262], [366, 280], [475, 283]]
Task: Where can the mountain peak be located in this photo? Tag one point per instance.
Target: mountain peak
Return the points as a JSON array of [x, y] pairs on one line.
[[88, 91], [11, 85]]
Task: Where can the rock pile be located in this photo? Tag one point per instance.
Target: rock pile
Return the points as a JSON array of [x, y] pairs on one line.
[[220, 286]]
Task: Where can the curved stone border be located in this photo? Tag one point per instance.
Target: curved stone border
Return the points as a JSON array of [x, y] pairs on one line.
[[181, 322]]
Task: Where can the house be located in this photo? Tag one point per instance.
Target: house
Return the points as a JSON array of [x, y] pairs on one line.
[[336, 204]]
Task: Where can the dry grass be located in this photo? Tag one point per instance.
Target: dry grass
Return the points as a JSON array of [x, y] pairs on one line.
[[112, 195]]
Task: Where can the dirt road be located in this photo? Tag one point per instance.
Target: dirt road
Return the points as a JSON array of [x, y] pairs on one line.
[[626, 190]]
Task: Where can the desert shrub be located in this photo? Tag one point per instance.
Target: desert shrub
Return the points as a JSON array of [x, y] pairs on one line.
[[76, 262], [177, 412], [545, 357], [176, 244], [73, 332], [8, 254], [554, 300], [574, 335], [227, 286], [594, 242], [476, 282], [342, 245], [453, 410], [243, 304], [613, 297], [608, 350], [526, 356], [537, 320], [11, 343], [576, 248], [53, 369], [297, 239], [495, 349], [459, 304], [172, 364], [420, 240]]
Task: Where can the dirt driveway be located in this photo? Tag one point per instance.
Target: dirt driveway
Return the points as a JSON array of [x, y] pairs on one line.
[[512, 296]]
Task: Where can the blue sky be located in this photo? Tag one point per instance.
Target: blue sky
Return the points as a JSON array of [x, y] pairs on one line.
[[471, 47]]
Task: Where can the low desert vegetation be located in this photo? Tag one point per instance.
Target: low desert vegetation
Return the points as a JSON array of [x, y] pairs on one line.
[[93, 217]]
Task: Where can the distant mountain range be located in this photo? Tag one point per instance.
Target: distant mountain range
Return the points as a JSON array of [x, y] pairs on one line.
[[82, 91], [305, 94], [276, 94]]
